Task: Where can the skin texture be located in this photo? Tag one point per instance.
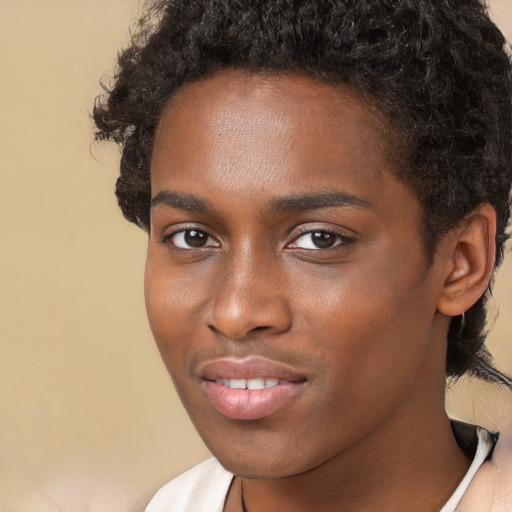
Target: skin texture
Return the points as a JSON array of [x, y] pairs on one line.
[[362, 320]]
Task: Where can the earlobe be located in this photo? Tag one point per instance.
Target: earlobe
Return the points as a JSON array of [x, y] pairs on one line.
[[469, 261]]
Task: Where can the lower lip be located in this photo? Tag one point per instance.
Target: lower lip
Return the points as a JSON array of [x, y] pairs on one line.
[[251, 404]]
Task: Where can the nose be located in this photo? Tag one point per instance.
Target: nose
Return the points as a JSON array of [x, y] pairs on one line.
[[249, 298]]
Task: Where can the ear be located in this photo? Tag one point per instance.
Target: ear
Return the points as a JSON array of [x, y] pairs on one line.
[[469, 257]]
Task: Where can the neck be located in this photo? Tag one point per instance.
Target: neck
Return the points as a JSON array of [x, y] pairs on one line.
[[422, 465]]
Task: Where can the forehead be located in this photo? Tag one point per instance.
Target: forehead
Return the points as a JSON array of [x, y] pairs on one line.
[[238, 86], [241, 135], [264, 107], [282, 92]]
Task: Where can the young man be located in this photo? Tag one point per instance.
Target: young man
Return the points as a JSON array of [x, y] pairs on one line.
[[325, 185]]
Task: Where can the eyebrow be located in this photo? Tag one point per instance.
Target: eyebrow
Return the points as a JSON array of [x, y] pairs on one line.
[[187, 202], [294, 202], [316, 201]]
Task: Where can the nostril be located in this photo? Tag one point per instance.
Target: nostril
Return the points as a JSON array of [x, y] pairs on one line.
[[213, 329], [259, 328], [254, 330]]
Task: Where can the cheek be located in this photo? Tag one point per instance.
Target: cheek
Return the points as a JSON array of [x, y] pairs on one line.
[[172, 308], [369, 327]]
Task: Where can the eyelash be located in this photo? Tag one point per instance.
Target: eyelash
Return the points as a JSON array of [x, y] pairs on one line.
[[167, 239], [340, 239]]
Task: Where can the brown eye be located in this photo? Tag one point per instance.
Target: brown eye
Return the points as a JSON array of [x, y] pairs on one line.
[[192, 239], [195, 238], [322, 239], [315, 240]]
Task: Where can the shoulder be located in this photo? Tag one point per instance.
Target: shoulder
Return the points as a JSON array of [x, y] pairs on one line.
[[200, 489], [491, 487]]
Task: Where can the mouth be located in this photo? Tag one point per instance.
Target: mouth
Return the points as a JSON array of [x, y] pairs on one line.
[[257, 383], [250, 389]]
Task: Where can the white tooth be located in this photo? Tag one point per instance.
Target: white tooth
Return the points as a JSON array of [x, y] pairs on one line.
[[225, 382], [271, 382], [237, 383], [256, 383]]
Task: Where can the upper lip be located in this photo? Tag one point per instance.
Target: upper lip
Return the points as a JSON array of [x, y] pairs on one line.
[[248, 368]]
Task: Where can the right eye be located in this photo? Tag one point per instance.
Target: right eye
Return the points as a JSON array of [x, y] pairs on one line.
[[191, 239]]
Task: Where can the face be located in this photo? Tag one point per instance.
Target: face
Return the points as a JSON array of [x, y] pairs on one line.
[[286, 281]]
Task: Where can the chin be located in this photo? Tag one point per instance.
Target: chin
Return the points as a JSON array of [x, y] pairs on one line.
[[258, 461], [259, 469]]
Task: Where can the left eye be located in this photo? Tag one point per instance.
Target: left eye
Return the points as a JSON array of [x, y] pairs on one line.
[[318, 240], [192, 239]]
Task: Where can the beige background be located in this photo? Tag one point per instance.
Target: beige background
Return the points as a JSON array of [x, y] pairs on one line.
[[89, 419]]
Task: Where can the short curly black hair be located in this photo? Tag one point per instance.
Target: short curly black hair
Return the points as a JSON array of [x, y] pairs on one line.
[[438, 70]]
